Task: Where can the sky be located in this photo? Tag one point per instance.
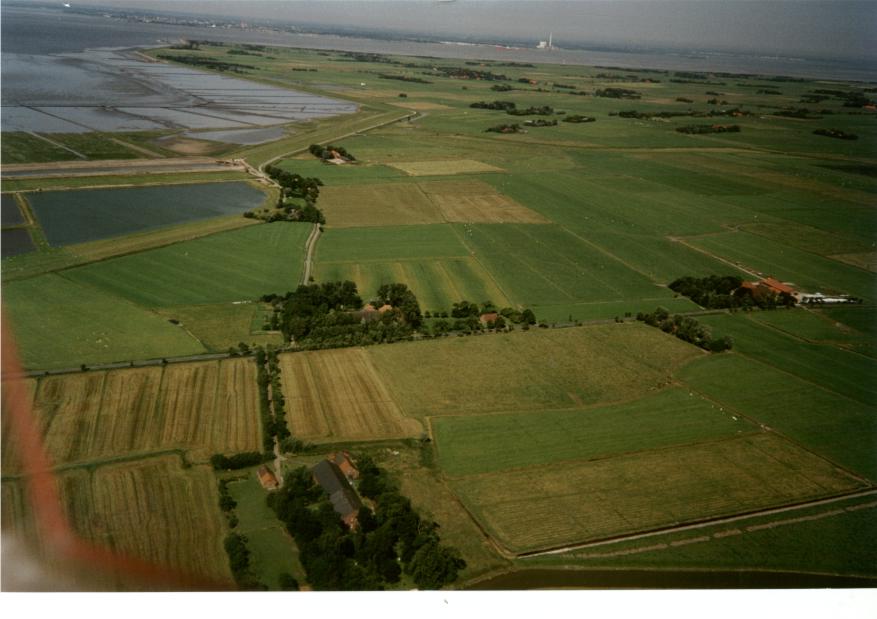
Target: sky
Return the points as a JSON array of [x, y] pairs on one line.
[[808, 28]]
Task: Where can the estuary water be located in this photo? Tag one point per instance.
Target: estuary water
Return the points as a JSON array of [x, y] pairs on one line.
[[62, 76], [67, 72]]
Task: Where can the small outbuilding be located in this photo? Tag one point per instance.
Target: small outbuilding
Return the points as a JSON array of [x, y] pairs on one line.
[[267, 478]]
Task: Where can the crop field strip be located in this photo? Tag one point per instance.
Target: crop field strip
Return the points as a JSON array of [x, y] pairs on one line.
[[11, 446], [557, 369], [207, 408], [337, 394], [544, 507]]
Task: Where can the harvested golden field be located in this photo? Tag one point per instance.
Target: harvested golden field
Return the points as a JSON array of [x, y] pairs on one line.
[[236, 424], [207, 408], [67, 409], [443, 167], [538, 369], [10, 445], [338, 395], [378, 205], [152, 509], [544, 507], [478, 202]]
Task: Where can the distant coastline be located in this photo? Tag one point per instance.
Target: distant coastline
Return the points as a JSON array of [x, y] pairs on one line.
[[78, 31]]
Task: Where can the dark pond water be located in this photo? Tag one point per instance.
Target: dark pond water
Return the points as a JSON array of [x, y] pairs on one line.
[[69, 217], [14, 242], [10, 214], [663, 579]]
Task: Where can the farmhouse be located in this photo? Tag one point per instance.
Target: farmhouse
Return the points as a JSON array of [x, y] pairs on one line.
[[267, 478], [342, 461], [343, 497], [488, 317], [768, 286]]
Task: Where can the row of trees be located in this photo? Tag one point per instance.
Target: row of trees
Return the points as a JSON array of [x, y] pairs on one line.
[[392, 540], [701, 129], [836, 133], [686, 328], [328, 315], [578, 118]]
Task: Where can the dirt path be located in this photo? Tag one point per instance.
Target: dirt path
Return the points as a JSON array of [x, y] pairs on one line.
[[309, 255]]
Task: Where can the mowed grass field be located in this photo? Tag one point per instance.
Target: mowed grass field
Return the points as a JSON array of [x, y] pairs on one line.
[[201, 408], [339, 395], [544, 507], [522, 371], [473, 444]]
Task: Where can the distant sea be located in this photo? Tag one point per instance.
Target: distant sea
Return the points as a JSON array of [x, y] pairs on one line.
[[37, 32]]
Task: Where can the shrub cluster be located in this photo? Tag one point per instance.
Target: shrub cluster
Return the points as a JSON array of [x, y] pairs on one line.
[[836, 133]]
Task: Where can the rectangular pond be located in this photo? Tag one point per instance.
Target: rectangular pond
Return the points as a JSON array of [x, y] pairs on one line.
[[14, 242], [11, 214], [69, 217]]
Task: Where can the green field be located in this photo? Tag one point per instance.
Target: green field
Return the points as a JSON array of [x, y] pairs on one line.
[[845, 373], [489, 443], [830, 424], [60, 323], [547, 369], [241, 265]]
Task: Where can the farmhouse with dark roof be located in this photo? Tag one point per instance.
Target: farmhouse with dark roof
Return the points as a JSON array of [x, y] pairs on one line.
[[343, 497]]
